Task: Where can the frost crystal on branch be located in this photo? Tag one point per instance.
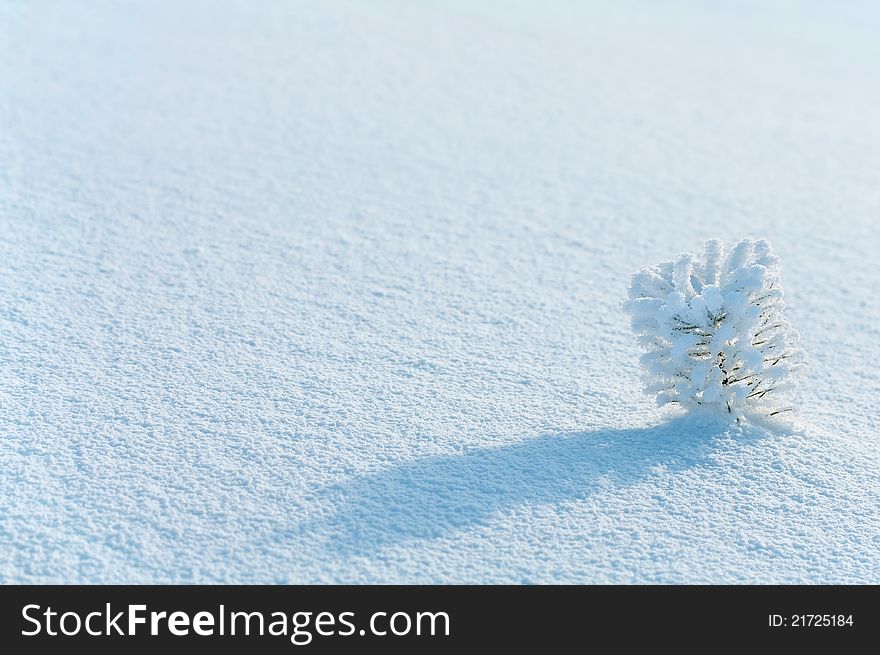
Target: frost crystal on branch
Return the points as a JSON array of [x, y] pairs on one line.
[[714, 330]]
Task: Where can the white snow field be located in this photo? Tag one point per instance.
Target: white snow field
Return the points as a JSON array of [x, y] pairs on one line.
[[331, 291]]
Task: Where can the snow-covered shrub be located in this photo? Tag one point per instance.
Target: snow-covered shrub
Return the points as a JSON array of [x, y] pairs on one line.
[[714, 330]]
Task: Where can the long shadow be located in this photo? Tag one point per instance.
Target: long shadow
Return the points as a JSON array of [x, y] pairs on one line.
[[432, 497]]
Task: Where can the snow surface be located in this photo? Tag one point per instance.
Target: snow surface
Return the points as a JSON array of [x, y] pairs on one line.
[[331, 291]]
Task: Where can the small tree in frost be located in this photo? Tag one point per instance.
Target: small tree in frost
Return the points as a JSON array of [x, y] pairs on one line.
[[714, 330]]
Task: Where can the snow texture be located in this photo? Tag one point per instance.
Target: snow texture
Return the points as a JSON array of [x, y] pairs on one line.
[[715, 331], [331, 291]]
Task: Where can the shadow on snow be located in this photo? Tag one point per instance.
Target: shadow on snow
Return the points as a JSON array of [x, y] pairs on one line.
[[432, 497]]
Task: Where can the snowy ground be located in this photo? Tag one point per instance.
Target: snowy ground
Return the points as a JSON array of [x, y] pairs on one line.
[[330, 291]]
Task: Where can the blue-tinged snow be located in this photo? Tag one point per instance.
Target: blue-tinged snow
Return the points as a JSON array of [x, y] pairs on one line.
[[331, 291]]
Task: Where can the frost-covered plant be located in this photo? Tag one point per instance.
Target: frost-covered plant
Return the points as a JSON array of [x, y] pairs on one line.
[[714, 330]]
